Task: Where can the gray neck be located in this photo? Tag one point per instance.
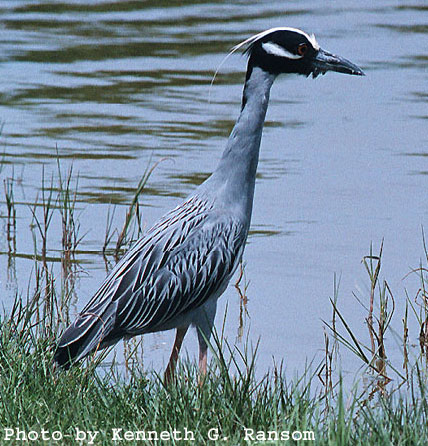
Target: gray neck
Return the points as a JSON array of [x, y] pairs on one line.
[[234, 179]]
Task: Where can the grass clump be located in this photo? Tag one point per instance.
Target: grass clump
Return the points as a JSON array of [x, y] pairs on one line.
[[236, 406]]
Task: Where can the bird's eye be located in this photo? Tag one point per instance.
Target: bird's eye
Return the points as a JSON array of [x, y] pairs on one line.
[[302, 48]]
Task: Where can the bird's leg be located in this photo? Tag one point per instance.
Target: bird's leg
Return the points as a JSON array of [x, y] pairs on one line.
[[203, 356], [170, 370], [204, 327]]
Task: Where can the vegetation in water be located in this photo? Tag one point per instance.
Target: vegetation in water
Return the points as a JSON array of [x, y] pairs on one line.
[[125, 404]]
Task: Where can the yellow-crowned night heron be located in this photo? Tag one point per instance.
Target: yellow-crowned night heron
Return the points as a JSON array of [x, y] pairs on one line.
[[173, 276]]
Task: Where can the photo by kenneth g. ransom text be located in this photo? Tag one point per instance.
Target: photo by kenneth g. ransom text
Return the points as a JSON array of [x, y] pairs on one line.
[[118, 435]]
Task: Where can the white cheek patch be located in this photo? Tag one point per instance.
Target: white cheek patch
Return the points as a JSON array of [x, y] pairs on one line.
[[276, 50]]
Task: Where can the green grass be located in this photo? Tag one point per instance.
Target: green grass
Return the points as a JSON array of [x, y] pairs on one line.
[[233, 402], [35, 397]]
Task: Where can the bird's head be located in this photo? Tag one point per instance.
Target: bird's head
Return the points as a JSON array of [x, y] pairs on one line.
[[290, 50]]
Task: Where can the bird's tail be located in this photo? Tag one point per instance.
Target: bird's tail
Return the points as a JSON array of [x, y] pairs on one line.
[[88, 333]]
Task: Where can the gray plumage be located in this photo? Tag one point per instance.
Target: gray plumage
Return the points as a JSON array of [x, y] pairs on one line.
[[173, 276]]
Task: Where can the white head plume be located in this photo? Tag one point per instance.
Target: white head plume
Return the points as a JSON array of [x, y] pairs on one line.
[[259, 36]]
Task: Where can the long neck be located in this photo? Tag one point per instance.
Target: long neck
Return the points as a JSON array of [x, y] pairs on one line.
[[236, 171]]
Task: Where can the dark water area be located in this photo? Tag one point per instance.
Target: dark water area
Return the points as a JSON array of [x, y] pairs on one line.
[[114, 86]]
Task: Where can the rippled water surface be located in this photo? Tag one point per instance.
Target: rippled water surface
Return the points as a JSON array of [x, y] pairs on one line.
[[111, 87]]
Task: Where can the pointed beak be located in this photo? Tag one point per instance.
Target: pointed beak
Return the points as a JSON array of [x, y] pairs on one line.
[[325, 61]]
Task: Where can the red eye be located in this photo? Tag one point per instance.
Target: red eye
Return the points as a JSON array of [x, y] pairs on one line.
[[302, 48]]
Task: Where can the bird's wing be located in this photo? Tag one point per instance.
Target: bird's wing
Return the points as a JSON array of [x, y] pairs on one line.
[[182, 261], [184, 279]]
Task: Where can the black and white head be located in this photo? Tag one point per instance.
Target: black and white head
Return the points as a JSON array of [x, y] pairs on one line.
[[290, 50]]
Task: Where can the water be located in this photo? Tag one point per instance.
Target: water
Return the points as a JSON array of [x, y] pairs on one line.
[[113, 86]]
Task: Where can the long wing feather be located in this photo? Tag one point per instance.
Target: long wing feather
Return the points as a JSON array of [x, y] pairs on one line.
[[181, 262]]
